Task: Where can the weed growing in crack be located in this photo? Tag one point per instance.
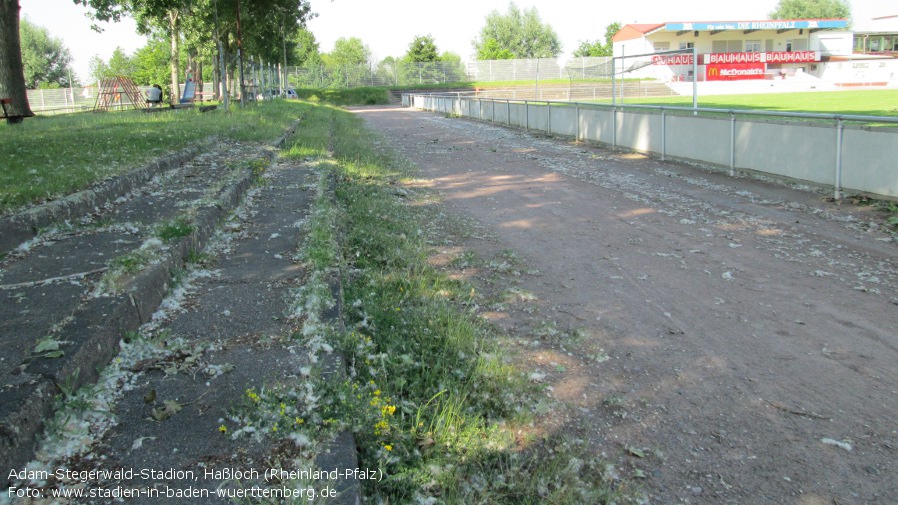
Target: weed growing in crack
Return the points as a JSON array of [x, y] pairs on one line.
[[174, 229], [431, 397]]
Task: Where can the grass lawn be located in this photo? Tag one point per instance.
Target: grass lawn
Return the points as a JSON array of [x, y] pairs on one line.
[[50, 156], [859, 102]]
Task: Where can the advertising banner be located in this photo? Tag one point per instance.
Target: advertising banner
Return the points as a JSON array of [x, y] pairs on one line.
[[735, 72], [773, 57], [673, 59]]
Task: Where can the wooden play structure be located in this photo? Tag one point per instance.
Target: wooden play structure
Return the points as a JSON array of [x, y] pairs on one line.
[[119, 91]]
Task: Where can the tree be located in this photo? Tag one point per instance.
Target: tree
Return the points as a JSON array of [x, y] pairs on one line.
[[491, 50], [812, 9], [349, 51], [98, 69], [12, 74], [422, 49], [45, 59], [151, 62], [590, 48], [120, 63], [596, 48], [518, 32]]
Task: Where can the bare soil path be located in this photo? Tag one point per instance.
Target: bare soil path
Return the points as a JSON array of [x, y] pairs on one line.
[[736, 340]]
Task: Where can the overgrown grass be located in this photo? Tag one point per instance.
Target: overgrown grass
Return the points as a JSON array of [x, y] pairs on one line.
[[48, 157], [430, 394], [344, 97]]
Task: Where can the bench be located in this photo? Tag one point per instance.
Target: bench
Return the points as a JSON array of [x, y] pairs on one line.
[[4, 102]]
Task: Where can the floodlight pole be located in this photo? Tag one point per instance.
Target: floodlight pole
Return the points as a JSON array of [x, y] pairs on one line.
[[623, 62], [613, 81], [694, 81]]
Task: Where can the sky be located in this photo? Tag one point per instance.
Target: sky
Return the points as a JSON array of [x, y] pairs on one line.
[[387, 27]]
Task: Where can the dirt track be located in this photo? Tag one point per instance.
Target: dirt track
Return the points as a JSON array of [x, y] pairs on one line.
[[727, 327]]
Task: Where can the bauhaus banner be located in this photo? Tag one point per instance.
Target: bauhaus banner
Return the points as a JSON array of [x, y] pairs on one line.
[[775, 57]]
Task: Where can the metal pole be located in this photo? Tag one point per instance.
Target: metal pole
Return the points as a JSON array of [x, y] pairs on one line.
[[507, 112], [663, 135], [548, 118], [694, 82], [613, 81], [526, 115], [732, 144], [537, 78], [578, 121], [623, 63], [613, 127], [838, 183]]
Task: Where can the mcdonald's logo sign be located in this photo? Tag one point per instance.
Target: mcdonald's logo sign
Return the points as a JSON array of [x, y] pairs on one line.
[[735, 72]]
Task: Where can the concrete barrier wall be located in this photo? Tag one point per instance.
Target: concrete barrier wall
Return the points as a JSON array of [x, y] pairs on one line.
[[803, 151], [638, 131], [518, 112], [870, 161], [799, 151], [563, 121], [707, 140], [538, 117], [597, 125]]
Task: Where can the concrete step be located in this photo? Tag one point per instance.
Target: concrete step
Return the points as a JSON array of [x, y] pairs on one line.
[[223, 331]]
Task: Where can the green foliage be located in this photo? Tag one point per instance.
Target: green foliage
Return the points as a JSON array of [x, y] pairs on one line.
[[45, 59], [120, 63], [429, 394], [351, 51], [174, 229], [811, 9], [305, 49], [422, 49], [521, 33], [490, 49], [57, 155], [344, 97], [151, 63], [597, 48], [591, 48]]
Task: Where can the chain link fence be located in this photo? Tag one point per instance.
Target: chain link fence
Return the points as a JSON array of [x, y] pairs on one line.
[[392, 73], [538, 78], [67, 100]]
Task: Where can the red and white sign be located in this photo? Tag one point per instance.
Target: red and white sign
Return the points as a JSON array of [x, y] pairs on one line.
[[793, 57], [674, 59], [777, 57], [735, 72]]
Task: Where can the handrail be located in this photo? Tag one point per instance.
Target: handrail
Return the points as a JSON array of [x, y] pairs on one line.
[[747, 112]]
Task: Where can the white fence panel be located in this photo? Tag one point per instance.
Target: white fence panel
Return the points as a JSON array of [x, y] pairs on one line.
[[799, 150]]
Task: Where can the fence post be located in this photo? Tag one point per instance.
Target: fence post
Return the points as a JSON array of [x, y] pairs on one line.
[[838, 183], [526, 115], [732, 144], [508, 112], [578, 122], [549, 118], [613, 126], [663, 135]]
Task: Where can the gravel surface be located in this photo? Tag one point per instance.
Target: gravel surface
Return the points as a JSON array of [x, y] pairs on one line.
[[720, 340]]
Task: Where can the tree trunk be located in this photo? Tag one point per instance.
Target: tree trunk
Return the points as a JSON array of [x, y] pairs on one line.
[[198, 76], [216, 77], [175, 72], [12, 74]]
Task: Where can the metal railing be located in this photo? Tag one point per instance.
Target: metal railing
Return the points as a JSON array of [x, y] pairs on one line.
[[869, 159]]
